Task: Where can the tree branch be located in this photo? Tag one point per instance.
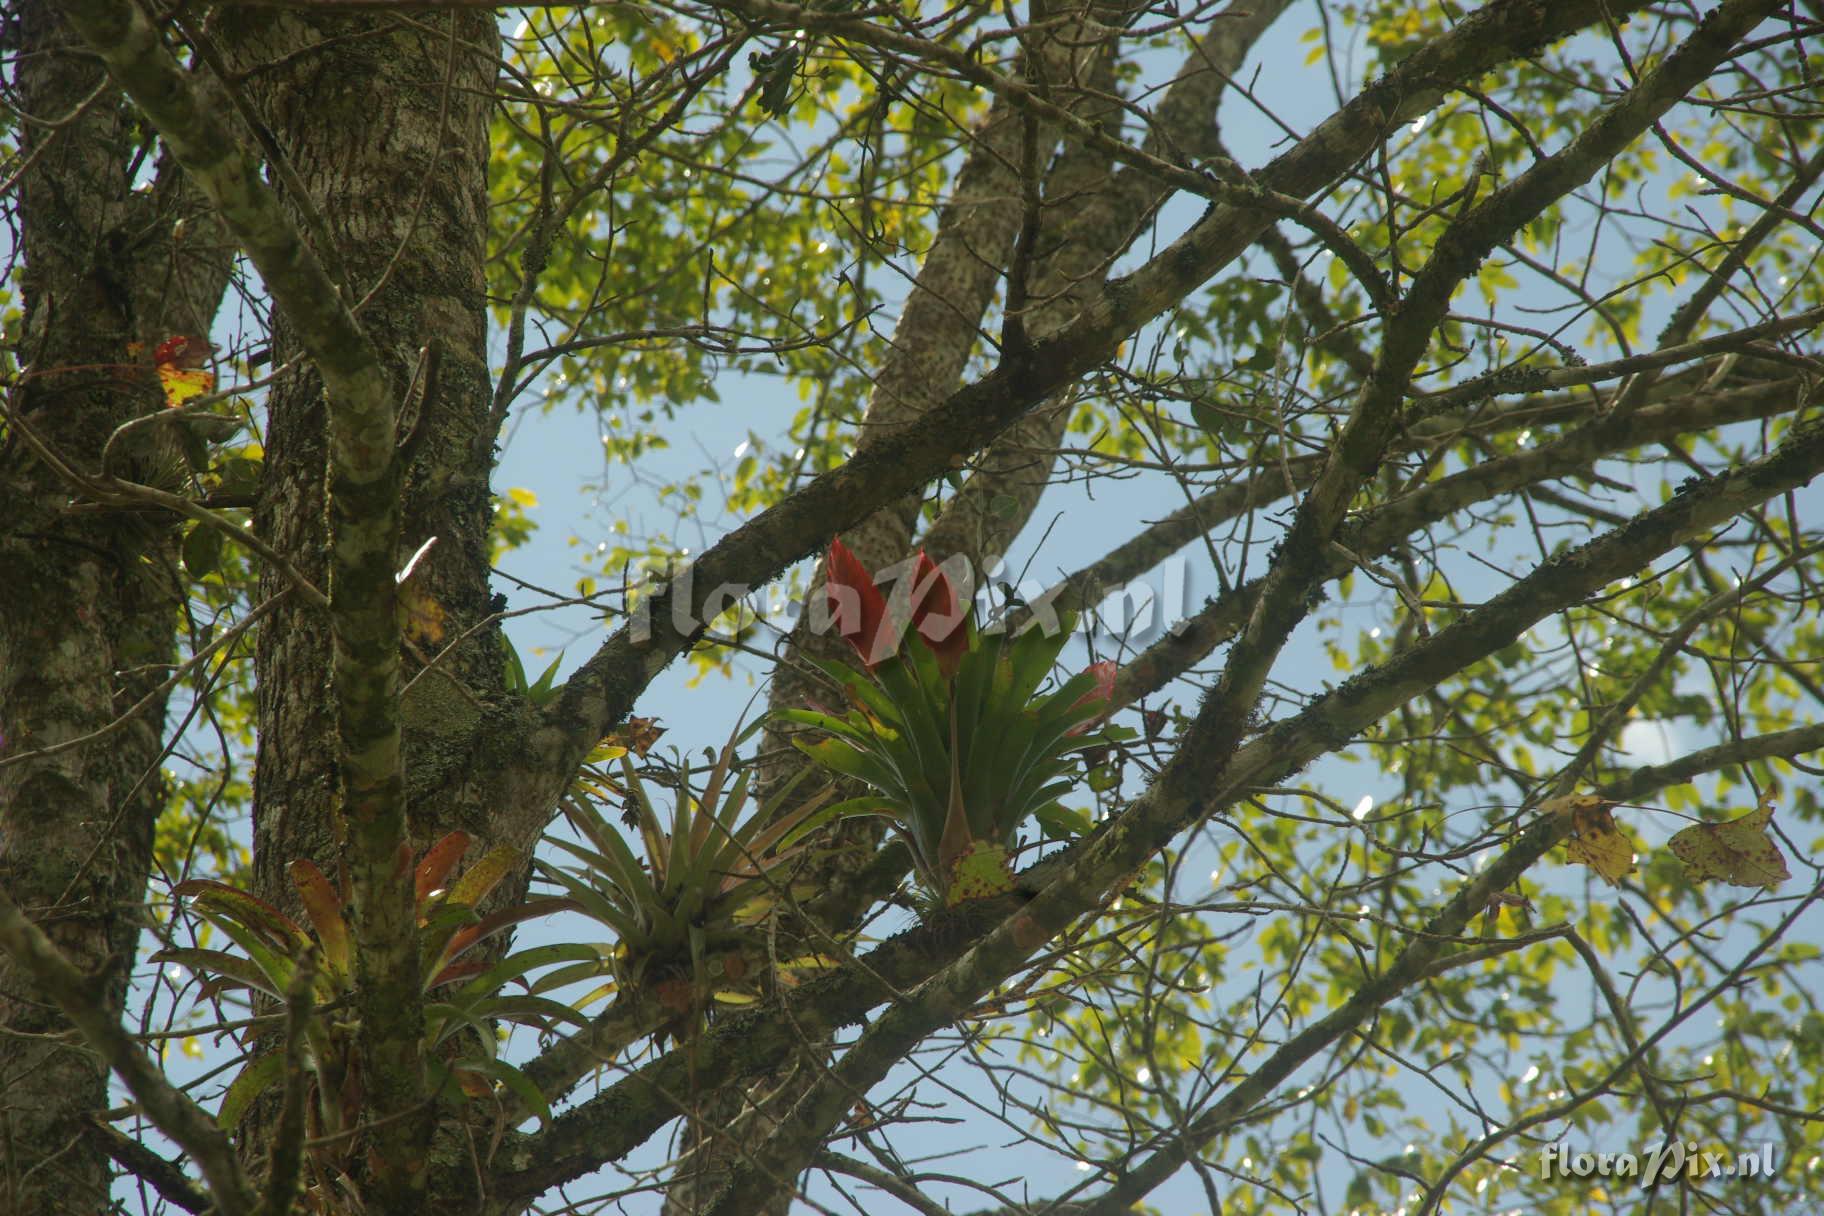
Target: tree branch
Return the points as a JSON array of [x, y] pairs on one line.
[[1381, 529], [164, 1104], [166, 1177], [603, 690], [1194, 784]]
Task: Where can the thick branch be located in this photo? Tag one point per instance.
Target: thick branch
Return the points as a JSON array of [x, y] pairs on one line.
[[164, 1104], [1092, 221], [165, 1177], [1285, 594], [1201, 780]]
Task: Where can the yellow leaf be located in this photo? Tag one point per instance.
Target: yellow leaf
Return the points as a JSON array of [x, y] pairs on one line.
[[1595, 840], [182, 373], [595, 994], [810, 962], [183, 383], [981, 871], [522, 496], [1740, 852], [423, 614], [636, 734], [1569, 805]]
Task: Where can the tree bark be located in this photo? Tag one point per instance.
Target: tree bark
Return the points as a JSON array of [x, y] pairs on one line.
[[89, 601], [383, 124]]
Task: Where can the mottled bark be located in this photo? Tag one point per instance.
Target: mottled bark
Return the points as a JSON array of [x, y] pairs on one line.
[[88, 600], [383, 124], [386, 127], [1093, 215]]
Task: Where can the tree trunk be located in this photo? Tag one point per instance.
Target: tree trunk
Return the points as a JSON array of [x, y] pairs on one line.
[[89, 600], [384, 124]]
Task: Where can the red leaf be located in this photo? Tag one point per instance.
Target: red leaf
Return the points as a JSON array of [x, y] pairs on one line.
[[506, 918], [676, 995], [1102, 694], [458, 971], [183, 351], [438, 860], [857, 606], [936, 616], [323, 905], [473, 1084]]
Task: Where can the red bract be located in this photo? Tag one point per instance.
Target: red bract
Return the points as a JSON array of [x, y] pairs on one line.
[[1102, 694], [857, 606], [935, 615]]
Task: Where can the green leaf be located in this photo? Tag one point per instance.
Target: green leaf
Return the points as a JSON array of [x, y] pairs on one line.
[[275, 966], [541, 692], [1208, 418], [202, 550], [243, 971], [236, 905], [513, 966], [259, 1075], [1262, 360], [1060, 822], [516, 1081], [515, 672], [775, 72], [868, 805]]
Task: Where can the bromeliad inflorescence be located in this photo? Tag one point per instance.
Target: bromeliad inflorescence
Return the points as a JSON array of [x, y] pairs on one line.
[[954, 737]]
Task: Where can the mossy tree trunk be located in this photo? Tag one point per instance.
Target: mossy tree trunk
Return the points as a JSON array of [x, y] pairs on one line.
[[90, 600]]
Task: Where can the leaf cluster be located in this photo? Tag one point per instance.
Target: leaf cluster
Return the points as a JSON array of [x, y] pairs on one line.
[[464, 991], [709, 868], [958, 764]]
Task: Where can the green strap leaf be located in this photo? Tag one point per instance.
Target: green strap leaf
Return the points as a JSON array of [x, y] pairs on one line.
[[259, 1075]]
